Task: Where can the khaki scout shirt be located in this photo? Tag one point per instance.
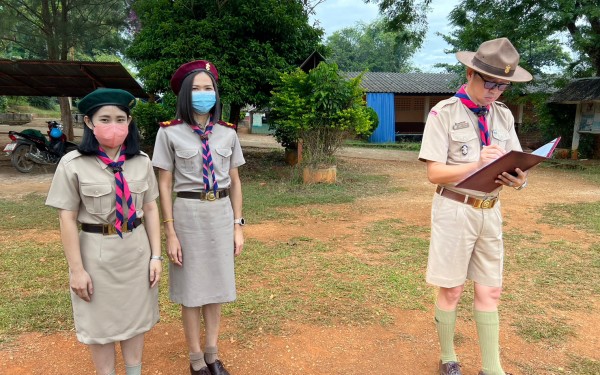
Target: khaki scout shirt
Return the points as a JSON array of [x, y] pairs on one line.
[[451, 135], [178, 149], [85, 184]]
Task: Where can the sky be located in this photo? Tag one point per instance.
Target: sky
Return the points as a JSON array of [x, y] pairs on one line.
[[333, 15]]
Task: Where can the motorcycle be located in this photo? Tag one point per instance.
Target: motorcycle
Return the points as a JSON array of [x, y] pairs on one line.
[[31, 147]]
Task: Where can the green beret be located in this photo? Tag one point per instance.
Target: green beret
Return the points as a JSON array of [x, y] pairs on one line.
[[103, 96]]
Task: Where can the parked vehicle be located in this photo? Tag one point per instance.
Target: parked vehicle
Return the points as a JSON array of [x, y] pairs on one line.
[[31, 147]]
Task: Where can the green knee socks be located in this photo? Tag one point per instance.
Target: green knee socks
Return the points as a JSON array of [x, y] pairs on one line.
[[445, 322], [488, 330], [133, 370]]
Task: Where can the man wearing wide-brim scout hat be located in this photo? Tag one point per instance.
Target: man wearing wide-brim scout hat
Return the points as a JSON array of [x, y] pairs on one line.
[[462, 134]]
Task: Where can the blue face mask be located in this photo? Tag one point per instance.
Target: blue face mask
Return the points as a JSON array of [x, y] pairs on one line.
[[203, 101]]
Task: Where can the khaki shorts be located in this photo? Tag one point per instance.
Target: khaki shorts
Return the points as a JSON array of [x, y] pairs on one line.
[[466, 243]]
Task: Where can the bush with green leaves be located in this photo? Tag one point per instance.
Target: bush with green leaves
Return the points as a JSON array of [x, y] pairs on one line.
[[43, 102], [147, 115], [322, 108], [3, 104]]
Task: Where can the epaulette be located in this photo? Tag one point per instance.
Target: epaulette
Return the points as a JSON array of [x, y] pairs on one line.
[[227, 124], [502, 105], [441, 104], [170, 123]]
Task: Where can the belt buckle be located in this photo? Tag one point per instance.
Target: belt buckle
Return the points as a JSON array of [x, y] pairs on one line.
[[110, 230], [487, 203], [210, 196]]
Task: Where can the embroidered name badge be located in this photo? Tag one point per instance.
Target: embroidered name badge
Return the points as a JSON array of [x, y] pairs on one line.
[[464, 149], [460, 125]]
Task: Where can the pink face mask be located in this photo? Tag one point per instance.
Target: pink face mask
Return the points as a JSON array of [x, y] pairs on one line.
[[111, 135]]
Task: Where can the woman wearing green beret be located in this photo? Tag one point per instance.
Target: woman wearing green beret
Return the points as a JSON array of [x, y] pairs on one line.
[[198, 158], [107, 187]]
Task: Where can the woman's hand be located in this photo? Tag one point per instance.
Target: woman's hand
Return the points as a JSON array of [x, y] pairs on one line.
[[155, 271], [174, 250], [81, 284], [238, 239]]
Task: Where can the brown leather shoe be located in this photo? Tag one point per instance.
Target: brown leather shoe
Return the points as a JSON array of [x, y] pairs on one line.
[[217, 368], [450, 368], [483, 373], [202, 371]]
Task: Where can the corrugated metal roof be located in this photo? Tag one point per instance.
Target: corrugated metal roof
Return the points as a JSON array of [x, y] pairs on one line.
[[408, 83], [64, 78], [579, 90]]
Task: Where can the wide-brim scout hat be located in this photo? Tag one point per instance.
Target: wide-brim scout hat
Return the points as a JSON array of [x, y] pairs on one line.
[[104, 96], [189, 68], [496, 58]]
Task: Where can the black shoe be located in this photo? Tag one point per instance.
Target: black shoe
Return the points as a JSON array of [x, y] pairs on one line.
[[450, 368], [217, 368], [203, 371]]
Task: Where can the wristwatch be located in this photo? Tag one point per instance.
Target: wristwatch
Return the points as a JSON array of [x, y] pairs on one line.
[[157, 257], [241, 221], [522, 186]]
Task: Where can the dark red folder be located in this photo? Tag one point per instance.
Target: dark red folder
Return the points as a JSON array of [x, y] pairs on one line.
[[484, 179]]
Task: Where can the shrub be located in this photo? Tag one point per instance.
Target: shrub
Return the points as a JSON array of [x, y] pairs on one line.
[[42, 102], [320, 107], [147, 115]]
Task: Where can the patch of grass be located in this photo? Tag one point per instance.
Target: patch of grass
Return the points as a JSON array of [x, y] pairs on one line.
[[584, 216], [270, 185], [406, 146], [552, 331], [27, 213], [583, 366]]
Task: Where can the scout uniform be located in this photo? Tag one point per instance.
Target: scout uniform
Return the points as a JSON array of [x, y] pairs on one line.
[[123, 304], [451, 137], [203, 220]]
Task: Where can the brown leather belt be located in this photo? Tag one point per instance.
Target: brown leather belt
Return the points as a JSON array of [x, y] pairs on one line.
[[203, 195], [467, 199], [109, 229]]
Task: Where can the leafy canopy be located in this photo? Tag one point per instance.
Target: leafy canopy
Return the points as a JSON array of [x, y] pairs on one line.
[[369, 47], [250, 43]]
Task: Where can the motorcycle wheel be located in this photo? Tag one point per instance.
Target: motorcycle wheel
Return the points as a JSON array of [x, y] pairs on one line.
[[19, 159]]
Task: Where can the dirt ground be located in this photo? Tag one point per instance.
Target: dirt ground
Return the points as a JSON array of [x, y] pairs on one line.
[[408, 346]]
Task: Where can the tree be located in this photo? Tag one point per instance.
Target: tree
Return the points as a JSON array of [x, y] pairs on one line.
[[369, 47], [538, 33], [407, 18], [320, 107], [52, 29], [250, 43]]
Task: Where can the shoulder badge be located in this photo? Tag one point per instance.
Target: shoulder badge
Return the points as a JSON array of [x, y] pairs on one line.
[[227, 124], [170, 123]]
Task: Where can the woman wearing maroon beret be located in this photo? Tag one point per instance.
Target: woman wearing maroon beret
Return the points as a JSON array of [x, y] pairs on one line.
[[198, 158]]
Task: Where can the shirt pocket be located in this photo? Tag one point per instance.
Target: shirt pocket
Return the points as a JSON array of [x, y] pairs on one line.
[[224, 158], [464, 145], [500, 137], [138, 191], [97, 198], [188, 160]]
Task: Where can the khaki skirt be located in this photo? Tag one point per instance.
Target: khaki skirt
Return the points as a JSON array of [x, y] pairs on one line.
[[205, 233], [123, 304]]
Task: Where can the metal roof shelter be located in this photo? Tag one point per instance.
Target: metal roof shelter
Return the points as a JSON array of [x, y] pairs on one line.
[[64, 78]]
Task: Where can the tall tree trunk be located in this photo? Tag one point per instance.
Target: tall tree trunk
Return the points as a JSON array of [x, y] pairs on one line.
[[234, 114], [66, 118]]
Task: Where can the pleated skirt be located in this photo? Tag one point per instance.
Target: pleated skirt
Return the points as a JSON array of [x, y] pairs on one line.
[[205, 232], [123, 304]]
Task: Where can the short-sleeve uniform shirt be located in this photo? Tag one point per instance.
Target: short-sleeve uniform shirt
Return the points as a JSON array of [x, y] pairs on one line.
[[85, 184], [451, 135], [178, 149]]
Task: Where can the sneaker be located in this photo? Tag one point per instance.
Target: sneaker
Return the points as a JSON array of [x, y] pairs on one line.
[[450, 368]]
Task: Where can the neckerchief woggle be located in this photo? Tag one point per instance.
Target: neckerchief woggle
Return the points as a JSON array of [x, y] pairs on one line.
[[481, 112], [121, 189], [207, 161]]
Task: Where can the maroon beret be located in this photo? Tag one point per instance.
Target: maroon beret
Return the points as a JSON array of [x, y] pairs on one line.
[[189, 68]]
